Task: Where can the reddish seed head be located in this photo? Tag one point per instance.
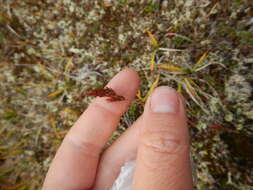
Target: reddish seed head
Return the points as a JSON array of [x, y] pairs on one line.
[[106, 92], [171, 35], [216, 126]]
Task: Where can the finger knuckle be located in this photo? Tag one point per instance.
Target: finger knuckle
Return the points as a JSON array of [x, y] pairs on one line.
[[88, 149], [161, 148], [162, 142]]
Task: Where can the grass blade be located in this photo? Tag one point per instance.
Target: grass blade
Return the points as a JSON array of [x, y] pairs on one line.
[[170, 67], [55, 93], [154, 42], [138, 95], [200, 61], [153, 86], [152, 64]]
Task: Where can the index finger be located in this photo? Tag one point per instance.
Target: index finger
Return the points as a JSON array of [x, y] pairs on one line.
[[75, 163]]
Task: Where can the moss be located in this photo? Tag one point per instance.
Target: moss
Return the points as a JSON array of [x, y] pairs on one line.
[[179, 41], [102, 41], [94, 28], [134, 111], [122, 2], [150, 8], [99, 84], [1, 37], [226, 31], [69, 84], [245, 37], [10, 114]]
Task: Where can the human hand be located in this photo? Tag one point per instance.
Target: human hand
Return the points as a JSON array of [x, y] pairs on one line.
[[158, 141]]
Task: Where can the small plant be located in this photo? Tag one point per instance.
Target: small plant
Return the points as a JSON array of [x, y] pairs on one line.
[[106, 92]]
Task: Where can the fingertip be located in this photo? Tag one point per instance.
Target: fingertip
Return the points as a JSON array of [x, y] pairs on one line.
[[164, 100], [133, 74], [125, 83], [165, 117], [167, 103]]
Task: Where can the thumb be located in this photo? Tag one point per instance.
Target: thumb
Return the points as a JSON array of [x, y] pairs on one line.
[[163, 154]]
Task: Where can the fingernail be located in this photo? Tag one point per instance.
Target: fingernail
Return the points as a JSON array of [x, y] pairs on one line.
[[165, 100]]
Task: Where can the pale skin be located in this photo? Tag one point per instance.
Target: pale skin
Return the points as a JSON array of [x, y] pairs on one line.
[[158, 141]]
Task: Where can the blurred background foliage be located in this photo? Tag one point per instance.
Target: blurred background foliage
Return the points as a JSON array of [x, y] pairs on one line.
[[53, 52]]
